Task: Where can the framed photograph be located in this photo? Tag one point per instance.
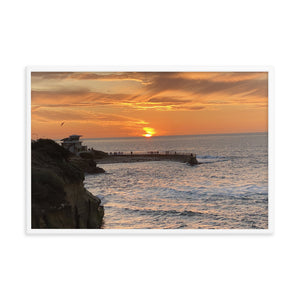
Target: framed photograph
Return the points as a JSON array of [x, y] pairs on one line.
[[149, 150]]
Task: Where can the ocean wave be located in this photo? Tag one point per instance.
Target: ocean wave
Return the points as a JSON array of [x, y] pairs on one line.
[[243, 192], [102, 199], [211, 159], [162, 212], [228, 190]]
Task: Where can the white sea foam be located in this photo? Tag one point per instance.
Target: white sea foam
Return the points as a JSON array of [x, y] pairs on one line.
[[102, 199], [210, 158]]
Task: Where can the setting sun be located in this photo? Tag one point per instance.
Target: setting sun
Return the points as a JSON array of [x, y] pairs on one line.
[[149, 132]]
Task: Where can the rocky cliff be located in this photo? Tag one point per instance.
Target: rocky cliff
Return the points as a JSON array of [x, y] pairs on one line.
[[59, 199]]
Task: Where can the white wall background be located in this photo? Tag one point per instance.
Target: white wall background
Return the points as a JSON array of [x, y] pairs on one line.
[[149, 33]]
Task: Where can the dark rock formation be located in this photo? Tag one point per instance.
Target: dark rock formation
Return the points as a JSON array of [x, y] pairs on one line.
[[193, 161], [59, 199], [98, 154], [93, 154], [86, 165]]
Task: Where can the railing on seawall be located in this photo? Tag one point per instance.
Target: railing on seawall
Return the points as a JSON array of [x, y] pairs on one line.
[[148, 153]]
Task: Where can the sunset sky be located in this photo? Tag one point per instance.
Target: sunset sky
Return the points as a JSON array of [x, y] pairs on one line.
[[97, 104]]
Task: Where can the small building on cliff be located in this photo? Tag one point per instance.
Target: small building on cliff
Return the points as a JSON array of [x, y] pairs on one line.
[[73, 144]]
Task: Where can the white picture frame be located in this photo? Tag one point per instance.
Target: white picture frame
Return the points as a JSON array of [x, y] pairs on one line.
[[268, 69]]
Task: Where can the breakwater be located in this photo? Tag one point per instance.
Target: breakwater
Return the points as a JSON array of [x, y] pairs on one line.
[[127, 157]]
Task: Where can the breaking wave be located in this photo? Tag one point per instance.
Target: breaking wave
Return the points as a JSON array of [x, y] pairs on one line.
[[211, 159]]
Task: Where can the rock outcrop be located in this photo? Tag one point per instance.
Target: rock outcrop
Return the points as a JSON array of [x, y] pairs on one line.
[[59, 199], [87, 165], [193, 161]]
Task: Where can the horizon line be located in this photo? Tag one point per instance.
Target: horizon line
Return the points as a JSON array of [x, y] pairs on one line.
[[223, 133]]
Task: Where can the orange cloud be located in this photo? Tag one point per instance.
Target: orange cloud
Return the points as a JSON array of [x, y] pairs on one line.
[[130, 100]]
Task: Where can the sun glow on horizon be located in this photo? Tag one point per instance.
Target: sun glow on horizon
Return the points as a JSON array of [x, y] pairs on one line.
[[149, 132]]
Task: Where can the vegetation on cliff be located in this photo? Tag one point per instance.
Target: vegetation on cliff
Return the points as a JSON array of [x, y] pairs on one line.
[[59, 199]]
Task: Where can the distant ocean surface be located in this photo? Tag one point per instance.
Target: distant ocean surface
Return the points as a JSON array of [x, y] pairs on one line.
[[228, 191]]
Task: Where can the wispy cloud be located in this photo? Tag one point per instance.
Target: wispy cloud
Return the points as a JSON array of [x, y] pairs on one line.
[[157, 94], [107, 99], [56, 115]]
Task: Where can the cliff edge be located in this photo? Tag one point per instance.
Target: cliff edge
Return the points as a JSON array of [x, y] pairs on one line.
[[59, 199]]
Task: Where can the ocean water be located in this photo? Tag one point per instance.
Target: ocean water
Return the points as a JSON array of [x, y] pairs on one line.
[[229, 190]]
